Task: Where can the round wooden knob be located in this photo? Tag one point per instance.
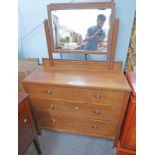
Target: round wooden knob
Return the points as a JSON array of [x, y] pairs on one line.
[[98, 95], [49, 92], [54, 121], [51, 107], [25, 120], [95, 126], [96, 111], [76, 108]]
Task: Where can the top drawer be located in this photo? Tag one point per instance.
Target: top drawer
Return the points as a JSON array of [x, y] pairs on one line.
[[74, 93]]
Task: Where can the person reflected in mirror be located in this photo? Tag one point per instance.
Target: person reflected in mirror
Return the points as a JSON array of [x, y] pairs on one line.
[[95, 35]]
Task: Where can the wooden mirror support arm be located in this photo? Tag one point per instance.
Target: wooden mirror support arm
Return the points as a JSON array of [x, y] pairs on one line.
[[48, 39], [113, 45]]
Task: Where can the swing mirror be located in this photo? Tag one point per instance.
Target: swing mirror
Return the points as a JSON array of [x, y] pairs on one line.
[[81, 28]]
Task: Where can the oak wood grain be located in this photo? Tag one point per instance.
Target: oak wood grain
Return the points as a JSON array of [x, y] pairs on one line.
[[67, 123], [123, 151], [83, 65], [88, 89], [85, 79], [75, 94], [114, 41], [80, 109], [127, 140], [49, 41]]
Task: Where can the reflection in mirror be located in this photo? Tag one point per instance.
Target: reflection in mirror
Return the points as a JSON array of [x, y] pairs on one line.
[[94, 57], [84, 29]]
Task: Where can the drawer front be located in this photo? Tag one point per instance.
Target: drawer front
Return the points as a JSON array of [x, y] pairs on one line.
[[25, 131], [77, 125], [21, 108], [74, 93], [85, 110]]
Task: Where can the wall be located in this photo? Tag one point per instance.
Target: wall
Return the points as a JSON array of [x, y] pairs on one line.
[[33, 12]]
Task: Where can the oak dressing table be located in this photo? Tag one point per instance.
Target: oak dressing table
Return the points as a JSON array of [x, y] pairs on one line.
[[82, 97]]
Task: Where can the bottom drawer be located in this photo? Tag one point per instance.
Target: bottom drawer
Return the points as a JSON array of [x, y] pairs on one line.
[[25, 133], [68, 123], [25, 128]]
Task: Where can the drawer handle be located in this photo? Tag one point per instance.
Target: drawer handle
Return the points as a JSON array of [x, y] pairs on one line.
[[51, 107], [49, 92], [53, 121], [25, 120], [95, 126], [98, 95], [76, 108], [97, 112]]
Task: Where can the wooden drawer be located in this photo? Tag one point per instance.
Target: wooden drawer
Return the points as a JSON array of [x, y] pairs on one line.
[[21, 108], [25, 131], [74, 93], [77, 125], [85, 110]]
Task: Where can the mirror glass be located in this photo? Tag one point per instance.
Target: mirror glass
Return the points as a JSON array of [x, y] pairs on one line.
[[81, 29]]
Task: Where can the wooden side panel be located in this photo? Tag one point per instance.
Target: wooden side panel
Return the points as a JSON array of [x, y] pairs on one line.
[[121, 117], [127, 139], [123, 151], [131, 138], [128, 136]]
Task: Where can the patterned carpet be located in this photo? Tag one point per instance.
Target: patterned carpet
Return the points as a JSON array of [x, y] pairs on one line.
[[54, 143]]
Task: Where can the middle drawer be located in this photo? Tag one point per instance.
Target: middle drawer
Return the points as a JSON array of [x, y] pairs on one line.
[[86, 110]]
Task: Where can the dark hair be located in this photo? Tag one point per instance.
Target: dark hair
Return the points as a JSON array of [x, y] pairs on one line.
[[101, 17]]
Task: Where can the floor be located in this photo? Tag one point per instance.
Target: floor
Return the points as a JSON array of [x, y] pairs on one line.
[[54, 143]]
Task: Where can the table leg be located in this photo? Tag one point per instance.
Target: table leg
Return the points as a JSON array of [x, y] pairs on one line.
[[37, 145]]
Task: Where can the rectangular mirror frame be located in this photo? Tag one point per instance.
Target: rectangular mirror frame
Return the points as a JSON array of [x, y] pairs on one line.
[[71, 6]]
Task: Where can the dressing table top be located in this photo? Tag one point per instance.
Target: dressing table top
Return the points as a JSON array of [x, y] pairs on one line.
[[109, 80]]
